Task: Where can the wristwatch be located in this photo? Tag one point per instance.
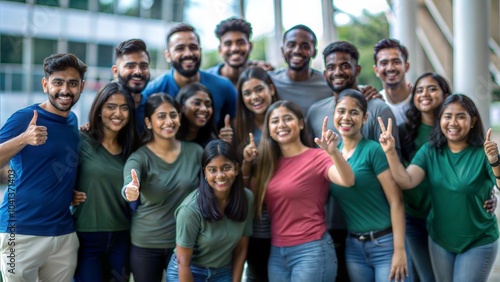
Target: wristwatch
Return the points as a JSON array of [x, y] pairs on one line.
[[497, 163]]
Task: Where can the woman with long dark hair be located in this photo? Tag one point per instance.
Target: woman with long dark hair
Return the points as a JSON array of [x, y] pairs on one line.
[[214, 222], [102, 217], [461, 166], [161, 174]]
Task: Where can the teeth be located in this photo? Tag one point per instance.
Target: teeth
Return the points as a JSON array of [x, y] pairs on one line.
[[281, 133], [453, 130], [338, 80], [64, 97], [257, 103], [220, 182], [137, 78], [297, 58], [188, 61], [345, 125]]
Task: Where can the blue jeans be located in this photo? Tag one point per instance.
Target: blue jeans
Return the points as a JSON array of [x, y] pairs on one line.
[[200, 273], [148, 264], [474, 264], [312, 261], [416, 236], [103, 256], [370, 260]]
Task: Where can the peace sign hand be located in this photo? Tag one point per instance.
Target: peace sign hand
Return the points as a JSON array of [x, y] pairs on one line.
[[386, 139], [490, 148], [250, 151], [329, 139]]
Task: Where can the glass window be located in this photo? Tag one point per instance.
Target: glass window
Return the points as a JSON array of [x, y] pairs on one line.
[[37, 85], [53, 3], [43, 48], [79, 49], [106, 6], [105, 55], [153, 57], [11, 49], [79, 4]]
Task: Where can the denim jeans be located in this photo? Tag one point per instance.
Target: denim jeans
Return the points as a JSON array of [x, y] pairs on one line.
[[313, 261], [474, 264], [370, 260], [103, 256], [200, 273], [416, 236], [148, 264]]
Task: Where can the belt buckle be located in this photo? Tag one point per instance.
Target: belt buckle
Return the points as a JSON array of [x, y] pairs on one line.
[[361, 238]]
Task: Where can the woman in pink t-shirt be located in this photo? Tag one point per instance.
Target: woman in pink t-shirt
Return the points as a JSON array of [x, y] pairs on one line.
[[293, 179]]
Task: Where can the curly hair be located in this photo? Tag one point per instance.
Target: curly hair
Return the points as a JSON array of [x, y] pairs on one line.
[[233, 24]]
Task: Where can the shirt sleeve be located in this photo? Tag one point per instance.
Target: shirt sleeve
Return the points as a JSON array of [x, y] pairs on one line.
[[15, 125], [378, 159], [421, 157], [323, 163], [188, 226]]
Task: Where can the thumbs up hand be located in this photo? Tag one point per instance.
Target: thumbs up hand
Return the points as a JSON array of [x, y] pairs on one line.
[[132, 189], [226, 133], [35, 135], [490, 148]]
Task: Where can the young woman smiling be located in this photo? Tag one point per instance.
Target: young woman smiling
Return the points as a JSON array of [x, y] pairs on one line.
[[293, 180], [102, 217], [463, 236], [162, 172], [373, 208], [214, 222]]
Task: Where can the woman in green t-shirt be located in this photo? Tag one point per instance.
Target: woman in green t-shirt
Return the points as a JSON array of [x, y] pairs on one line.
[[460, 167], [102, 217], [213, 222]]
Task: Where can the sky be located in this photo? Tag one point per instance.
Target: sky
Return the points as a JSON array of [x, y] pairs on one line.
[[205, 15]]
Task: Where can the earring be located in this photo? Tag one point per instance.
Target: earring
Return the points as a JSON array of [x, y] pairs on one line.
[[149, 127]]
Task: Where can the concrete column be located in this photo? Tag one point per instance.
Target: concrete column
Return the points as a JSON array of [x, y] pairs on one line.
[[274, 49], [329, 30], [403, 28], [471, 53]]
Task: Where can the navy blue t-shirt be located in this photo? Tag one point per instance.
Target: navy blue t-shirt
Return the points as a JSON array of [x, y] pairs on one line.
[[222, 90], [37, 201]]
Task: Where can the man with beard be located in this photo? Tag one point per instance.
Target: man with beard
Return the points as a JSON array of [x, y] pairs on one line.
[[235, 47], [341, 72], [184, 53], [391, 65], [297, 82], [37, 236], [131, 69]]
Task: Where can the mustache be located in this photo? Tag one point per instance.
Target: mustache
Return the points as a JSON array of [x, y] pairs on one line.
[[64, 95], [194, 59]]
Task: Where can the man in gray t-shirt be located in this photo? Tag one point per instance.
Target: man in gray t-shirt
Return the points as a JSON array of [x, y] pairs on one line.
[[298, 82]]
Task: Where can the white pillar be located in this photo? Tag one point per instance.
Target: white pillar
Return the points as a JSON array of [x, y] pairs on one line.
[[403, 28], [329, 30], [274, 49], [471, 53]]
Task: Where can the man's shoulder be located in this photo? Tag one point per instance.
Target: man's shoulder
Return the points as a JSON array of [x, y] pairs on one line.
[[377, 105], [212, 80], [215, 70], [328, 102], [158, 84]]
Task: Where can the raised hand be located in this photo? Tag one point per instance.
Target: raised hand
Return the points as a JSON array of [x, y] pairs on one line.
[[490, 148], [35, 135], [329, 139], [78, 197], [132, 189], [250, 151], [85, 127], [226, 133], [386, 139]]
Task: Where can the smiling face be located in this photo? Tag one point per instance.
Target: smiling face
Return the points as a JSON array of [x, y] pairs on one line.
[[220, 174], [257, 95], [348, 118], [184, 53], [63, 89], [455, 123], [165, 121], [341, 71], [284, 126], [132, 70], [391, 67], [115, 113], [298, 49], [234, 48], [428, 95], [198, 109]]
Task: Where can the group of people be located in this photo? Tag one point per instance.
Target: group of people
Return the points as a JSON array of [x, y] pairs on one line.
[[302, 175]]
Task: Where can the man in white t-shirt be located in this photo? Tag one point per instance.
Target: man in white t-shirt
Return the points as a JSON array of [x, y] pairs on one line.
[[391, 65]]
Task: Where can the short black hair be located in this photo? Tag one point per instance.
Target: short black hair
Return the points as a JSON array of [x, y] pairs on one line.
[[61, 62], [341, 46], [233, 24], [304, 28], [181, 27], [390, 43], [130, 46]]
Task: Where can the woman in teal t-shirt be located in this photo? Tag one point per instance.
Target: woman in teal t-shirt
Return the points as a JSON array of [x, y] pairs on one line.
[[461, 171], [373, 207], [214, 222]]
